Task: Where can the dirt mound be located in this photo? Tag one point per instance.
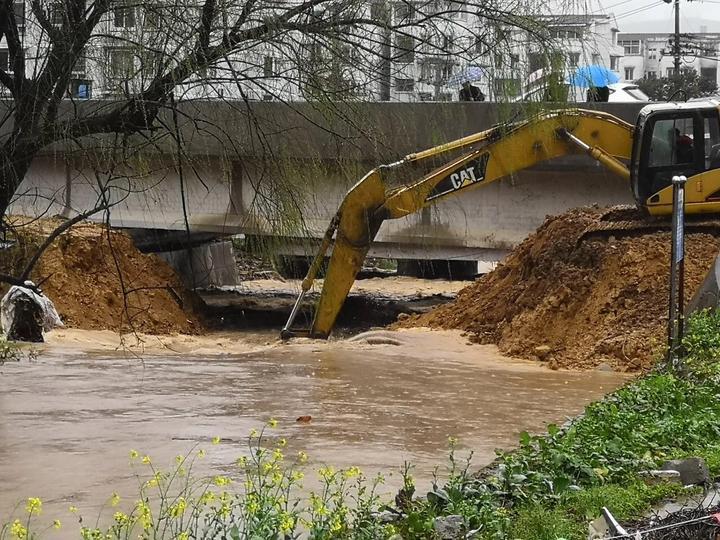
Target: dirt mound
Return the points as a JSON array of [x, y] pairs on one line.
[[101, 281], [576, 304]]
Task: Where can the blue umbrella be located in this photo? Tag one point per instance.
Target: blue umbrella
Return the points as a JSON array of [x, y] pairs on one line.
[[469, 74], [588, 76]]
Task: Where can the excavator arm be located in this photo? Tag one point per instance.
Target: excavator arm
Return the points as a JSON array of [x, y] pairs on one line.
[[488, 156]]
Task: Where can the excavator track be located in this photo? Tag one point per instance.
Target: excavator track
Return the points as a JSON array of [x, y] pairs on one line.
[[623, 221]]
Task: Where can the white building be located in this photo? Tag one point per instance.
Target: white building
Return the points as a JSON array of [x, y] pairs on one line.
[[649, 55], [420, 65]]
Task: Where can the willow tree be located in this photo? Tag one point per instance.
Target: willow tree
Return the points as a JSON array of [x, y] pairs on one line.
[[143, 55]]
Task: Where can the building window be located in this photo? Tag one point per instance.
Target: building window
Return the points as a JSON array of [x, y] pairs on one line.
[[670, 72], [403, 12], [4, 60], [479, 45], [124, 16], [629, 73], [404, 85], [631, 46], [536, 61], [566, 33], [651, 75], [404, 49], [506, 88], [80, 89], [614, 63], [80, 65], [19, 12], [573, 59], [120, 63], [596, 60], [56, 12], [269, 67], [152, 16], [709, 74]]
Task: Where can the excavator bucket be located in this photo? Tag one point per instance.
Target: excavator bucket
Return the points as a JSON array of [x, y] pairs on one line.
[[356, 231], [357, 225]]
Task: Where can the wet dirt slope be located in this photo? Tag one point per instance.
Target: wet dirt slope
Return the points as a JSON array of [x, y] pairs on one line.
[[576, 304]]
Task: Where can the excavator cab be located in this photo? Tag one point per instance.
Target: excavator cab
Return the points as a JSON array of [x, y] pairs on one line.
[[673, 139]]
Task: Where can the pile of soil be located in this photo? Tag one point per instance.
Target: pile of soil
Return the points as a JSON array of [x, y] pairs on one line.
[[576, 304], [99, 280]]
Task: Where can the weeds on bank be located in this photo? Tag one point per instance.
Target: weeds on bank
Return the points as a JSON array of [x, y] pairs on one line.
[[9, 351], [553, 484], [259, 502]]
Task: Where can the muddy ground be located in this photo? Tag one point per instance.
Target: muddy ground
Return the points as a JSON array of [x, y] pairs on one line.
[[99, 280], [573, 303]]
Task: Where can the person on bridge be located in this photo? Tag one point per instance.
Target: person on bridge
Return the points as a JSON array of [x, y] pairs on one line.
[[470, 92]]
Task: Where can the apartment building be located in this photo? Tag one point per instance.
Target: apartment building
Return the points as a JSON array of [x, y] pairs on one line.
[[650, 55], [419, 64]]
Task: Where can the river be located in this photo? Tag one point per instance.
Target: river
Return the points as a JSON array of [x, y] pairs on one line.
[[71, 415]]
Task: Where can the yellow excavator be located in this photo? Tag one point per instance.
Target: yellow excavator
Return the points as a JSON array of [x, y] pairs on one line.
[[668, 139]]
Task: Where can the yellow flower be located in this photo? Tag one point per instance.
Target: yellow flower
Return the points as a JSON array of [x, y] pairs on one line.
[[33, 506], [302, 457], [207, 497], [253, 433], [278, 455], [452, 441], [352, 472], [178, 509], [134, 454], [183, 536], [224, 510], [73, 509], [146, 460], [121, 518], [272, 423], [201, 453], [221, 481], [144, 515], [57, 524], [179, 459], [287, 524], [18, 530], [297, 476], [115, 499], [326, 473], [241, 461], [282, 443], [216, 440]]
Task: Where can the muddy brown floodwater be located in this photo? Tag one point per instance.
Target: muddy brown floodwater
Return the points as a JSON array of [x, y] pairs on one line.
[[70, 417]]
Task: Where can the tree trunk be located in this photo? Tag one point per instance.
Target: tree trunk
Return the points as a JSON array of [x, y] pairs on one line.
[[13, 167]]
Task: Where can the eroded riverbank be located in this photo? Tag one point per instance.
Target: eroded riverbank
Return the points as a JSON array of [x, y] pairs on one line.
[[71, 416]]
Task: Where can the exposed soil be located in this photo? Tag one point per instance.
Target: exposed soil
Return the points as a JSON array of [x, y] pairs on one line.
[[100, 281], [576, 304]]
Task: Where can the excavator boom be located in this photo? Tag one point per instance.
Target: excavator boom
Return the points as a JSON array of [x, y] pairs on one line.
[[488, 156]]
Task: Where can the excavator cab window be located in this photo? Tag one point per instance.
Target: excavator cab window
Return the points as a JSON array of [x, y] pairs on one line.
[[677, 143]]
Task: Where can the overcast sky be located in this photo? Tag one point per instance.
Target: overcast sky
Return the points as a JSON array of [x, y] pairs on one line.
[[657, 16]]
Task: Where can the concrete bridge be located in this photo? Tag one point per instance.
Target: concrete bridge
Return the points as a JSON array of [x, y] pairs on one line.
[[280, 172]]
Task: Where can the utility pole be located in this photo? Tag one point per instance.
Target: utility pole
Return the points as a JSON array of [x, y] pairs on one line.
[[676, 45], [677, 38]]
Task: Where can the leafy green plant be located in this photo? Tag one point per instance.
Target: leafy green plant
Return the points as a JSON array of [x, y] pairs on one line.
[[9, 351]]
